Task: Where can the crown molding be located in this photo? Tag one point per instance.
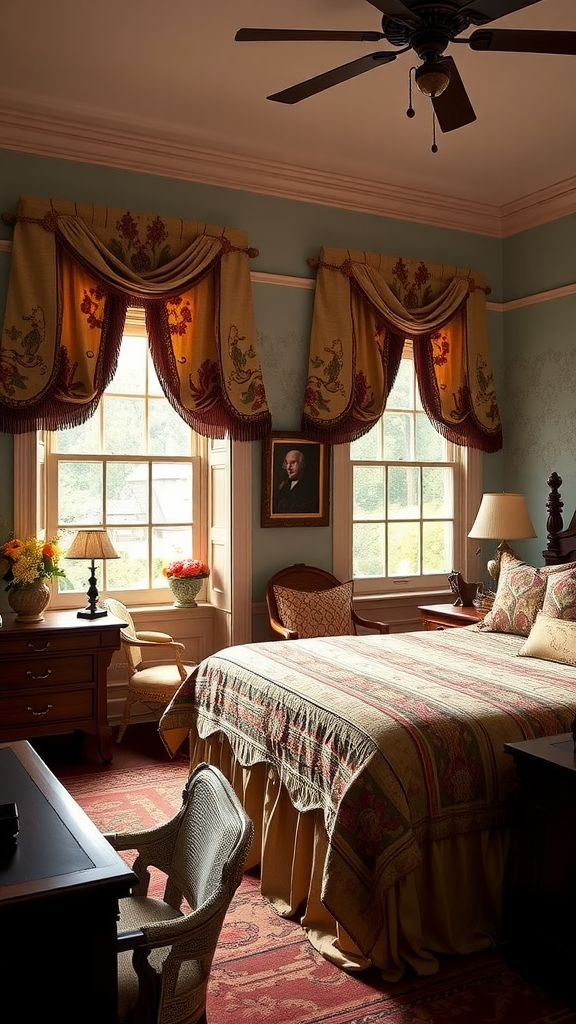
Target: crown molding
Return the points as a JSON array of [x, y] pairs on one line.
[[46, 135], [105, 145], [541, 207]]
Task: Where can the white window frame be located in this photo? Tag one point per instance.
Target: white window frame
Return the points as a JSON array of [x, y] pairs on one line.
[[135, 326], [467, 493]]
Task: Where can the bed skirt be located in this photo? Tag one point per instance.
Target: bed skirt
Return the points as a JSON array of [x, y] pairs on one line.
[[451, 903]]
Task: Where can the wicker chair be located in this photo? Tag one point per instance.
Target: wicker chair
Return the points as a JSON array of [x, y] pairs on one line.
[[153, 684], [311, 580], [166, 946]]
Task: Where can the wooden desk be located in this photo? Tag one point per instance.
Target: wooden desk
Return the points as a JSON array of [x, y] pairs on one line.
[[448, 616], [59, 891], [53, 676]]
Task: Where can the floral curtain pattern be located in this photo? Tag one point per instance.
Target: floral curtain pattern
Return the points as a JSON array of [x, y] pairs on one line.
[[75, 270], [366, 305]]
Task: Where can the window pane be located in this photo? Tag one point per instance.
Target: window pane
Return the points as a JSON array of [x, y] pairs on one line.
[[130, 376], [171, 492], [403, 492], [154, 386], [401, 394], [169, 543], [369, 492], [81, 440], [124, 426], [80, 493], [398, 443], [130, 571], [127, 492], [438, 554], [437, 492], [168, 434], [430, 445], [369, 446], [76, 569], [404, 549], [369, 549]]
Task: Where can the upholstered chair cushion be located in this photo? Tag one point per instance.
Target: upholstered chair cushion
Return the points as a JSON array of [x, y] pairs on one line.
[[316, 612], [551, 639]]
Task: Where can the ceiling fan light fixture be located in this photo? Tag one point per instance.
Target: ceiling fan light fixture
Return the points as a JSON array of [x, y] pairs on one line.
[[432, 78]]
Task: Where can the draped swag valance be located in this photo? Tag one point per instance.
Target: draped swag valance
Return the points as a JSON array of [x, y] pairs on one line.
[[75, 270], [365, 307]]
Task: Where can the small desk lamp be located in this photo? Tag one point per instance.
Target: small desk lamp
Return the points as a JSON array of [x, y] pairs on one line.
[[502, 516], [92, 544]]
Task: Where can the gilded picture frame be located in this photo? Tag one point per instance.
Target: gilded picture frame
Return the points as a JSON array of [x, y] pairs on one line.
[[295, 481]]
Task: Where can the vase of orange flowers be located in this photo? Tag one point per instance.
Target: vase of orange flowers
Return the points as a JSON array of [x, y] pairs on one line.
[[185, 578], [27, 566]]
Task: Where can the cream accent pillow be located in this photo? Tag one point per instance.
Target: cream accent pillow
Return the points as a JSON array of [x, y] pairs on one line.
[[551, 639], [316, 612]]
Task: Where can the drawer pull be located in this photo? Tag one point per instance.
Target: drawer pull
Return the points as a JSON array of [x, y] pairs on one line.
[[39, 650], [45, 712], [47, 673]]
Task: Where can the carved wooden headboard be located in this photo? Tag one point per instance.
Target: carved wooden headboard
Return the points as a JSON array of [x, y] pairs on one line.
[[561, 545]]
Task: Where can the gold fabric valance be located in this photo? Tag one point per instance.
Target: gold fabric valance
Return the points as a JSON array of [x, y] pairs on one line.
[[365, 307], [75, 270]]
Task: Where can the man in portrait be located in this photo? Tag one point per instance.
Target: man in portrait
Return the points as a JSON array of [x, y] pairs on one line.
[[297, 491]]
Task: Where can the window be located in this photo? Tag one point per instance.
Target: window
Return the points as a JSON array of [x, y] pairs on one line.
[[138, 470], [407, 496]]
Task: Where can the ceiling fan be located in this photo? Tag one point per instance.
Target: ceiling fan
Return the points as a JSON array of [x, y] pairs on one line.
[[428, 29]]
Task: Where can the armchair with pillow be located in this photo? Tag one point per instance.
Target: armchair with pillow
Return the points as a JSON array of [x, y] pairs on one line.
[[305, 601]]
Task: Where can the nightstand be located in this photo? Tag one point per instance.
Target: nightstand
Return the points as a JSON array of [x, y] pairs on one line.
[[448, 616], [538, 897]]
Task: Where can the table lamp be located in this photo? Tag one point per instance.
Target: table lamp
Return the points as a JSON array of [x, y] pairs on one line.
[[92, 544], [502, 517]]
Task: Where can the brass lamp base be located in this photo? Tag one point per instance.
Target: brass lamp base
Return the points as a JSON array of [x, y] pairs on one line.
[[494, 563]]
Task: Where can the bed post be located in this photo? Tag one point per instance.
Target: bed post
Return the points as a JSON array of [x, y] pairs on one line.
[[554, 523]]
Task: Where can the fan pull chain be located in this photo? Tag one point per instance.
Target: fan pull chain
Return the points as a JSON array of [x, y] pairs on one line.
[[410, 112], [434, 147]]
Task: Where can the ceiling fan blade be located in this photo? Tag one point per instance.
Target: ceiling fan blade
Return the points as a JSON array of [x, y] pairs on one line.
[[270, 35], [341, 74], [452, 107], [523, 41], [489, 10], [394, 9]]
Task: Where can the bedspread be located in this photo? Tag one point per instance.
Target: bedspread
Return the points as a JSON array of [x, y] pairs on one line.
[[397, 739]]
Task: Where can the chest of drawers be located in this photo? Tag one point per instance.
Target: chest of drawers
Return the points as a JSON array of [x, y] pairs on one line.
[[53, 676]]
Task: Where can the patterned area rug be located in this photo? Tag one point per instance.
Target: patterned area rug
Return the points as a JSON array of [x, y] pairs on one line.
[[266, 972]]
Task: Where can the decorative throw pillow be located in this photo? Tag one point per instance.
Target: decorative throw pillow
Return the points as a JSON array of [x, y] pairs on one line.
[[552, 639], [316, 612], [519, 597], [560, 595]]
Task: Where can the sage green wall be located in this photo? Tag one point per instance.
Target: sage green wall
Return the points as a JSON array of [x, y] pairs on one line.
[[287, 233], [539, 384]]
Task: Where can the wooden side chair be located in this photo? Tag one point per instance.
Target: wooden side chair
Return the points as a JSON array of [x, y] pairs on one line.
[[150, 682], [304, 601], [166, 945]]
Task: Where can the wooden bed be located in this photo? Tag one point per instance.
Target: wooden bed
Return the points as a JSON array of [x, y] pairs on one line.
[[374, 771]]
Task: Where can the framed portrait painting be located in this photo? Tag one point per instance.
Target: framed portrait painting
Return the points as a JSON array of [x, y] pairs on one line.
[[295, 481]]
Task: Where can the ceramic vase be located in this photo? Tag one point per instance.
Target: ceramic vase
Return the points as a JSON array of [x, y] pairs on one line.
[[185, 590], [29, 601]]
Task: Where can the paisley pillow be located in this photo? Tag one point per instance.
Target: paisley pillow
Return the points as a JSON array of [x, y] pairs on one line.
[[519, 597], [560, 596], [316, 612]]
